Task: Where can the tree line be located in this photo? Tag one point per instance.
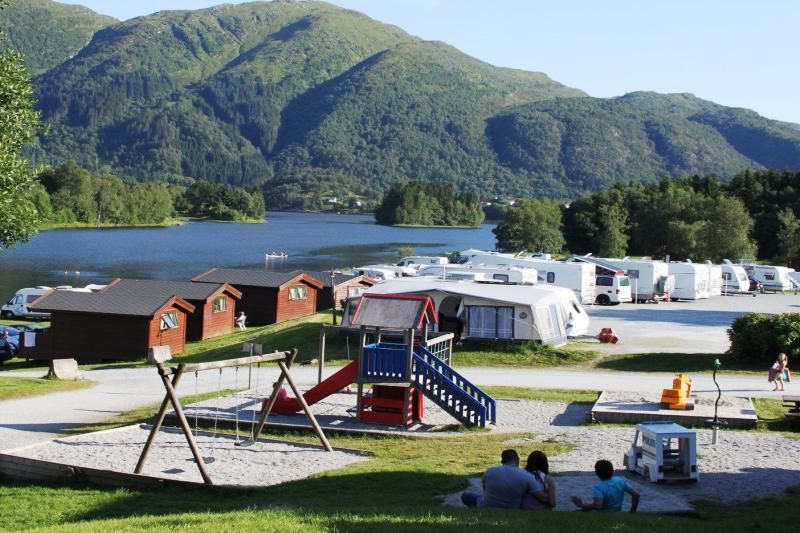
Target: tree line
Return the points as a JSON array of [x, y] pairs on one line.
[[429, 204], [755, 215], [70, 194]]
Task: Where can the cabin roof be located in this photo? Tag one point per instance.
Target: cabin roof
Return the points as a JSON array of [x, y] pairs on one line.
[[254, 278], [324, 277], [143, 304], [159, 288]]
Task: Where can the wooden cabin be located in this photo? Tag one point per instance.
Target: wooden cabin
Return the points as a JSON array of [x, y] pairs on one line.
[[337, 290], [93, 327], [268, 297], [215, 303]]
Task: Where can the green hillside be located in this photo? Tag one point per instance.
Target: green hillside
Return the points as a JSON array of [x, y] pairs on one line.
[[47, 33], [303, 97]]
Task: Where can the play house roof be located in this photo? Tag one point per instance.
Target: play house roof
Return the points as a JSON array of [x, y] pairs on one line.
[[394, 311]]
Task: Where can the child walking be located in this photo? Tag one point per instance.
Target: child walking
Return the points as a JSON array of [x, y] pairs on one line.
[[780, 372]]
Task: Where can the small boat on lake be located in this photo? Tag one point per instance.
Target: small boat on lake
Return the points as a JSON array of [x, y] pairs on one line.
[[277, 255]]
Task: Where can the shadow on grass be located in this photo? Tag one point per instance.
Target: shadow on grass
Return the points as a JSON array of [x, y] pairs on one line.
[[672, 362]]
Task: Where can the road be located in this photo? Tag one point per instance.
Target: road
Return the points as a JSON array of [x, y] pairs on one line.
[[40, 418]]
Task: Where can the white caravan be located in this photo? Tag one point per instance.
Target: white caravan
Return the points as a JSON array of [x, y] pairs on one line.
[[523, 276], [650, 280], [480, 311], [419, 261], [579, 277], [715, 279], [734, 279], [691, 281], [773, 278]]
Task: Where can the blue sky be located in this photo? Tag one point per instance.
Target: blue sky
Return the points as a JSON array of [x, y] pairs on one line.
[[741, 53]]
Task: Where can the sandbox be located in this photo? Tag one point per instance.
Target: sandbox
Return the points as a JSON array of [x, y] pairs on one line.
[[628, 407], [109, 458]]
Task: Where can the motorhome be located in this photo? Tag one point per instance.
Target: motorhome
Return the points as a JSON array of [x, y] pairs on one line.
[[419, 261], [612, 286], [478, 311], [17, 307], [773, 278], [384, 271], [524, 276], [579, 277], [734, 279], [691, 280], [650, 280]]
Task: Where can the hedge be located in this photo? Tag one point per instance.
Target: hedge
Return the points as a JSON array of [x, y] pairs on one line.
[[759, 338]]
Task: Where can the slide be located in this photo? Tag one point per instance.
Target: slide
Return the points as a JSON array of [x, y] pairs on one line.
[[341, 379]]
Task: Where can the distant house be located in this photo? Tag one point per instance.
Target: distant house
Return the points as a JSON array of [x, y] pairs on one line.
[[342, 287], [214, 303], [92, 327], [268, 297]]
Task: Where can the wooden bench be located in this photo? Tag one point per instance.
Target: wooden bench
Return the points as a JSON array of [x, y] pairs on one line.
[[793, 403]]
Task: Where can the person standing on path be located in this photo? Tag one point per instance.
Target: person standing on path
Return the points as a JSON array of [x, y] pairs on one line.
[[503, 486], [780, 372]]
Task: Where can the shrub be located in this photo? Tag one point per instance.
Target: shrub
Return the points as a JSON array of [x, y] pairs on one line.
[[758, 338]]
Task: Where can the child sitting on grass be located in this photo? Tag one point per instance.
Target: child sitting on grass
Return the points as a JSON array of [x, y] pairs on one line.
[[610, 492]]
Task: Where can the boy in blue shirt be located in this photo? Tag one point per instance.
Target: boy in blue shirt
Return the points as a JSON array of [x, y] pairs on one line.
[[610, 492]]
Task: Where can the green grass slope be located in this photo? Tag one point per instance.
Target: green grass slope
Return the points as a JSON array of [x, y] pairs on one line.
[[48, 33]]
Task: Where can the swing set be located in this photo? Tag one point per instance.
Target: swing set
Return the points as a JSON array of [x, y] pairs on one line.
[[284, 361]]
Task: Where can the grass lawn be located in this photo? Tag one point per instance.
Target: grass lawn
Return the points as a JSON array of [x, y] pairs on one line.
[[13, 388], [527, 355], [676, 362]]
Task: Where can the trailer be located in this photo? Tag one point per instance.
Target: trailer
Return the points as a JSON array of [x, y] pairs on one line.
[[522, 276], [663, 451], [734, 279], [772, 278], [650, 280], [691, 281]]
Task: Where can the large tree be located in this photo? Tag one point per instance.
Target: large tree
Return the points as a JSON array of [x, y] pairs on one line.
[[533, 225], [18, 123]]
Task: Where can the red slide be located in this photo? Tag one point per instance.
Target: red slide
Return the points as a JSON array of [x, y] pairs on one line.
[[341, 379]]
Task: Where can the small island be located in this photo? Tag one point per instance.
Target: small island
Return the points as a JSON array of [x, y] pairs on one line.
[[429, 204]]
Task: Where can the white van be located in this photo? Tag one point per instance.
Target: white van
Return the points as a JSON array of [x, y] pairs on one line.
[[612, 290], [17, 307]]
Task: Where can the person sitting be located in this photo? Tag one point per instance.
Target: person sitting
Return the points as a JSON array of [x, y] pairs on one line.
[[610, 492], [503, 486], [544, 498]]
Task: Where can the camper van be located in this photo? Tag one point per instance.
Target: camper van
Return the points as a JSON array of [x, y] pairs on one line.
[[691, 281], [612, 290], [650, 280], [419, 261], [579, 277], [734, 279], [17, 307], [773, 278], [523, 276]]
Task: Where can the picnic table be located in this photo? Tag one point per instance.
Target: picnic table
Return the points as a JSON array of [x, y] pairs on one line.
[[793, 403]]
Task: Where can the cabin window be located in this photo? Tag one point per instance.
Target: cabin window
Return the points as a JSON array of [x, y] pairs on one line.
[[354, 291], [487, 322], [298, 293], [501, 277], [220, 304], [551, 277], [169, 320]]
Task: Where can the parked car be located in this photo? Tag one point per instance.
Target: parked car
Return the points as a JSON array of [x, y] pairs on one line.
[[755, 286], [8, 347]]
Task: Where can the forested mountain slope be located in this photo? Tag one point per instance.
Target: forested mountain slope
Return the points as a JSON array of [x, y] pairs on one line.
[[282, 93]]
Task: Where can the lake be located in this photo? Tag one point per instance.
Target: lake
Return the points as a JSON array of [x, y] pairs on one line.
[[313, 241]]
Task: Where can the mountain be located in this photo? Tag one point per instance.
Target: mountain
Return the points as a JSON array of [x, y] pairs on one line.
[[297, 96], [48, 33]]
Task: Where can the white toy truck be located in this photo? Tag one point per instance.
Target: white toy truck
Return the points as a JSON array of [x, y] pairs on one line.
[[665, 452]]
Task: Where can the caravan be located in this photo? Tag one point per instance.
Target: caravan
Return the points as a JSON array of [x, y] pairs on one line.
[[523, 276], [773, 278], [691, 281], [420, 261], [650, 279], [715, 279], [734, 279]]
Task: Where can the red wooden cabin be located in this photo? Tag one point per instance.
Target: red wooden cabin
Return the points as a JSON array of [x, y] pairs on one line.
[[337, 290], [268, 297], [93, 327]]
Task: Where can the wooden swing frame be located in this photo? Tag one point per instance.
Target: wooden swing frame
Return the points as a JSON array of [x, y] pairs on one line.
[[284, 360]]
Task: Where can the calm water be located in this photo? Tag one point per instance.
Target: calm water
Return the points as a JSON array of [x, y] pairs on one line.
[[313, 241]]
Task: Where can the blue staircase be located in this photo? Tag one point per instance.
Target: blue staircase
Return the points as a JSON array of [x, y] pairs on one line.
[[450, 390]]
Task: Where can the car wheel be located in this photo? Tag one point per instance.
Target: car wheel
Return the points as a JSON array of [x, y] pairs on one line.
[[8, 314], [603, 300]]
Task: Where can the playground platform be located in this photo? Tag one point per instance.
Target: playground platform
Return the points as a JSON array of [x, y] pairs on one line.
[[632, 408]]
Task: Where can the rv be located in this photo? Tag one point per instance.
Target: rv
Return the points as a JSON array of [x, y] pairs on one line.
[[734, 279], [612, 286], [17, 307], [385, 271], [579, 277], [419, 261], [523, 276], [773, 278], [650, 280], [478, 311], [691, 281]]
